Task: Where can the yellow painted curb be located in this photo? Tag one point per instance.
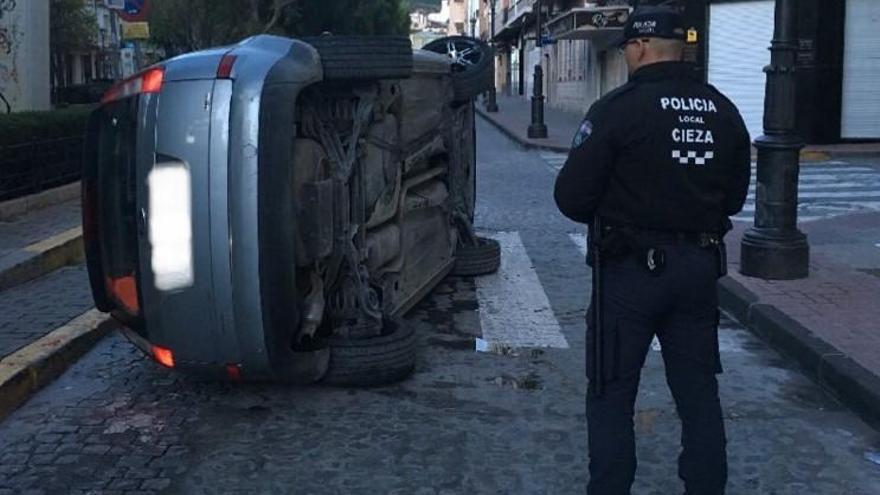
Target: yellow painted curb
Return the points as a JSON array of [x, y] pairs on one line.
[[44, 257], [32, 367], [56, 240], [815, 156]]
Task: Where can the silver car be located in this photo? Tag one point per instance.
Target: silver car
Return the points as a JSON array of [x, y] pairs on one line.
[[268, 210]]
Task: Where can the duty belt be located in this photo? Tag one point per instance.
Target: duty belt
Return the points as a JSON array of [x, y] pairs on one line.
[[644, 236]]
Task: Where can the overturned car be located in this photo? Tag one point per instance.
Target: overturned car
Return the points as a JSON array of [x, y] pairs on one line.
[[269, 210]]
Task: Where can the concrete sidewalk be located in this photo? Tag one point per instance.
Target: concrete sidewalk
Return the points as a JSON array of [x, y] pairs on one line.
[[515, 114], [830, 322], [46, 322], [38, 241], [827, 322]]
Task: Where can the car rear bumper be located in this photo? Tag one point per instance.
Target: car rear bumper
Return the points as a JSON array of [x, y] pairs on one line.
[[230, 138]]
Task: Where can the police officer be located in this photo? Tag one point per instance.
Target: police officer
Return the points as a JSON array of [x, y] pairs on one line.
[[663, 161]]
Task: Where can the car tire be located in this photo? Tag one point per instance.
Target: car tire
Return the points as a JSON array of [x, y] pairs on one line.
[[473, 72], [364, 57], [373, 361], [482, 259]]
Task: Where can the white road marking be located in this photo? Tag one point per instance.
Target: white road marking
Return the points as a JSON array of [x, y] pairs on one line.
[[810, 186], [839, 194], [514, 309], [833, 175], [553, 160], [825, 190], [814, 169], [580, 240]]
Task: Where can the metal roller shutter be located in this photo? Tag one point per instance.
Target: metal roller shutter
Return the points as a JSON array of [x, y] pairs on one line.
[[739, 41], [860, 113]]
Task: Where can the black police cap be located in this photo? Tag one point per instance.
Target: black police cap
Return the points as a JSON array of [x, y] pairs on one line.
[[653, 22]]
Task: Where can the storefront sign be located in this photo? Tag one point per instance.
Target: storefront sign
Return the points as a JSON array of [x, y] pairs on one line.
[[608, 18], [135, 30], [580, 23]]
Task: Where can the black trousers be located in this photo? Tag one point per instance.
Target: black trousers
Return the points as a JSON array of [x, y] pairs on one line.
[[680, 306]]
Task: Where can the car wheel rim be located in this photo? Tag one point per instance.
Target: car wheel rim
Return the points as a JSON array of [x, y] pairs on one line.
[[463, 54]]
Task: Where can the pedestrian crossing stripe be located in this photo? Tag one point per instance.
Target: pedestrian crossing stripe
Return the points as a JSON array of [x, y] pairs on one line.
[[514, 309], [825, 189]]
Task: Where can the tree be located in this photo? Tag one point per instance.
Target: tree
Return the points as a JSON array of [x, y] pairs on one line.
[[72, 27], [188, 25], [372, 17]]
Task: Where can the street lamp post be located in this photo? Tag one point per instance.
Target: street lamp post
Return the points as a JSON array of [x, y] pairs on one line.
[[537, 129], [473, 26], [774, 248], [491, 103]]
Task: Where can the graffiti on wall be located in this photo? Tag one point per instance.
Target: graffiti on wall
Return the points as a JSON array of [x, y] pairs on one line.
[[10, 41], [6, 6]]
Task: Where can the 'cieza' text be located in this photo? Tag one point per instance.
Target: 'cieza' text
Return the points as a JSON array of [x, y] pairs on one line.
[[692, 136]]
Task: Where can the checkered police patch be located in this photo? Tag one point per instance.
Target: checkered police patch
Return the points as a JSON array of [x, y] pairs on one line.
[[583, 133]]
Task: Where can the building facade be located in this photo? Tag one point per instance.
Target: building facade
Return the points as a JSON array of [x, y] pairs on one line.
[[838, 69], [578, 64], [104, 59], [458, 18], [427, 24], [24, 56], [728, 41]]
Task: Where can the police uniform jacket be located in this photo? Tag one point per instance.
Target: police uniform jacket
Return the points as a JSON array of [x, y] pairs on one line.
[[663, 152]]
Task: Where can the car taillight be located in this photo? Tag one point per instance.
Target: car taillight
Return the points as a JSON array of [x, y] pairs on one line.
[[233, 372], [148, 81], [124, 291], [164, 356], [224, 69]]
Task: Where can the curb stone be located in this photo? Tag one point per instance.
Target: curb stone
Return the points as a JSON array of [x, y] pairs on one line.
[[34, 366], [806, 155], [41, 258], [19, 206], [851, 383], [522, 142]]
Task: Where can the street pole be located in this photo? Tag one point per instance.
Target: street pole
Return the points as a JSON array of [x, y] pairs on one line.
[[537, 129], [774, 248], [491, 103]]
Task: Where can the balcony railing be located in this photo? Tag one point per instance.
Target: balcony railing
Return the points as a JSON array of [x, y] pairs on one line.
[[517, 10]]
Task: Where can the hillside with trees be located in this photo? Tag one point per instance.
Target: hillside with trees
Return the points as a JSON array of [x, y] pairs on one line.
[[181, 26]]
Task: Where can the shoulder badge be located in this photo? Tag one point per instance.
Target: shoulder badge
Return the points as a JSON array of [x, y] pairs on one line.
[[583, 133]]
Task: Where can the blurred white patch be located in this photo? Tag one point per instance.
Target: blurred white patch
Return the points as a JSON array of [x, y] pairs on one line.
[[170, 225], [655, 344]]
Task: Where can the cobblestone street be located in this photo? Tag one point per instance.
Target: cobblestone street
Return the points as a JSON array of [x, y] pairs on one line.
[[473, 419]]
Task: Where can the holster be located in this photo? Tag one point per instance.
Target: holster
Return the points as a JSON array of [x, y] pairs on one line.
[[616, 243]]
